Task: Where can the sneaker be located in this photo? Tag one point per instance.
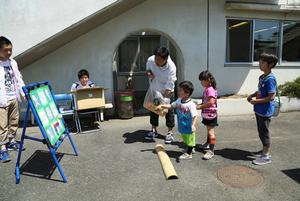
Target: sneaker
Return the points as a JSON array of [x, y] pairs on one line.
[[185, 150], [14, 146], [258, 154], [151, 135], [204, 146], [169, 138], [263, 160], [4, 156], [208, 155], [185, 156]]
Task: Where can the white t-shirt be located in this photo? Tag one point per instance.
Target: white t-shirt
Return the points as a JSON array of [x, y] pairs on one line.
[[165, 76], [78, 85], [186, 111], [9, 81]]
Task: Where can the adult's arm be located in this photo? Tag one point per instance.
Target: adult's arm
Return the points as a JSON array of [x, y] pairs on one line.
[[19, 78]]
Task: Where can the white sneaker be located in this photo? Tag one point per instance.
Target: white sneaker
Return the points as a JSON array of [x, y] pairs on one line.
[[263, 160], [151, 135], [169, 138], [185, 156], [256, 154], [204, 146], [185, 150], [208, 155]]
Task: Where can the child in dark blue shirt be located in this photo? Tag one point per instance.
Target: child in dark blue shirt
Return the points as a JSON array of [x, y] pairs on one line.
[[264, 105]]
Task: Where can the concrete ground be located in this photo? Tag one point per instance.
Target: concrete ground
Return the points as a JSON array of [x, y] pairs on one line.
[[118, 164]]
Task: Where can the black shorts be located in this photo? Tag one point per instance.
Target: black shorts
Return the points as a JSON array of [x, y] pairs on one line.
[[210, 122]]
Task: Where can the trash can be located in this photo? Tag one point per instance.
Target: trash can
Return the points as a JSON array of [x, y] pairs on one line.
[[124, 104]]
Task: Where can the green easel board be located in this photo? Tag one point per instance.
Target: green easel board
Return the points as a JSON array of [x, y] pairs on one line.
[[47, 112]]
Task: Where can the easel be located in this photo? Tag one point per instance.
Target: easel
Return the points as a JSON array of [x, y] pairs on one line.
[[53, 143]]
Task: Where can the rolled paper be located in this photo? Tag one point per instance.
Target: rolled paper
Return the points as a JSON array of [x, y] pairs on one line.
[[165, 162]]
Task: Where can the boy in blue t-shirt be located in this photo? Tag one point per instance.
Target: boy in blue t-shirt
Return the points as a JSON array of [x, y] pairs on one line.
[[264, 105]]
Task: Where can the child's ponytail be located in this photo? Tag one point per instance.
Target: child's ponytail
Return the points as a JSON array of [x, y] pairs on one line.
[[206, 75]]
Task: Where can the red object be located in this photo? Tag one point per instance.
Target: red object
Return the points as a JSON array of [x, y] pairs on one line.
[[56, 124]]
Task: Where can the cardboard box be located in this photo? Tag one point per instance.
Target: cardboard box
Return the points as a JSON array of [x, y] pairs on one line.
[[89, 98]]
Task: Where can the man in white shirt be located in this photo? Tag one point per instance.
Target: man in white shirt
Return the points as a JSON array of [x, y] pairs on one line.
[[11, 92], [162, 70]]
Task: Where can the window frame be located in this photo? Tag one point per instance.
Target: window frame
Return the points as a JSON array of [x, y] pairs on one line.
[[253, 63], [279, 36], [287, 63], [137, 73], [251, 40]]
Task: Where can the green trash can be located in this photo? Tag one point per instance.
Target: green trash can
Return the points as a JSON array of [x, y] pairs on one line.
[[124, 103]]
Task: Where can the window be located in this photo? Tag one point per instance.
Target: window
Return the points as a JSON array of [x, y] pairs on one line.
[[134, 52], [126, 58], [291, 41], [239, 41], [247, 39], [148, 45], [266, 37]]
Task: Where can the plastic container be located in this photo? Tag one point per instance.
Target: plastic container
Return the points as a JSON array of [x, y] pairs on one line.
[[124, 104]]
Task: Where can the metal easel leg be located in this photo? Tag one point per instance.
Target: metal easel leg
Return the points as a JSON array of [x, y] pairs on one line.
[[17, 168], [52, 152]]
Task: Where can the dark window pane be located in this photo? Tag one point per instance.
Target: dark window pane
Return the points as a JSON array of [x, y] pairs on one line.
[[134, 52], [148, 45], [291, 41], [266, 34], [239, 40], [127, 51]]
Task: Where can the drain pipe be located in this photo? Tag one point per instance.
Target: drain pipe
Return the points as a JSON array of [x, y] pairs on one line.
[[207, 38]]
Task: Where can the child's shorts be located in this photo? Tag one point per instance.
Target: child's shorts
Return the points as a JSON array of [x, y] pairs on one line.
[[189, 139], [210, 122]]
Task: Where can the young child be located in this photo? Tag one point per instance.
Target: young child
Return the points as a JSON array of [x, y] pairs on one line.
[[186, 117], [209, 111], [84, 82], [264, 105], [11, 92]]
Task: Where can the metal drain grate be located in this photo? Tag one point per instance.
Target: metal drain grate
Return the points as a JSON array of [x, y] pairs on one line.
[[239, 176]]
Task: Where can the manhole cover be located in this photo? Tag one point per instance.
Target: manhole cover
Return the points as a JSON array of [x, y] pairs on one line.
[[239, 176]]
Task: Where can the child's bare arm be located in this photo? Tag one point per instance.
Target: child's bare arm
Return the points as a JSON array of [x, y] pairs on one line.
[[249, 98], [165, 106], [267, 99], [210, 102]]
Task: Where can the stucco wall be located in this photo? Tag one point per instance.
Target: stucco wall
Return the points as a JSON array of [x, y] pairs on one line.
[[237, 78], [184, 22], [27, 23]]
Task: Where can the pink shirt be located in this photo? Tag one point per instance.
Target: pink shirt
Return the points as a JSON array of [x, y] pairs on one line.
[[211, 112]]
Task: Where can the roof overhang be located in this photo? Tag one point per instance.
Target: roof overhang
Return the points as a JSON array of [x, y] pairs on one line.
[[74, 31], [270, 6]]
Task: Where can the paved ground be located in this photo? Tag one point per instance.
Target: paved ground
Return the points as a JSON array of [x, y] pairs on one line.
[[118, 164]]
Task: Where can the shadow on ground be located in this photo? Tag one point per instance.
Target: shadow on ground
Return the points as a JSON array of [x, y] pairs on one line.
[[293, 174], [170, 153], [40, 165], [138, 136], [234, 154]]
